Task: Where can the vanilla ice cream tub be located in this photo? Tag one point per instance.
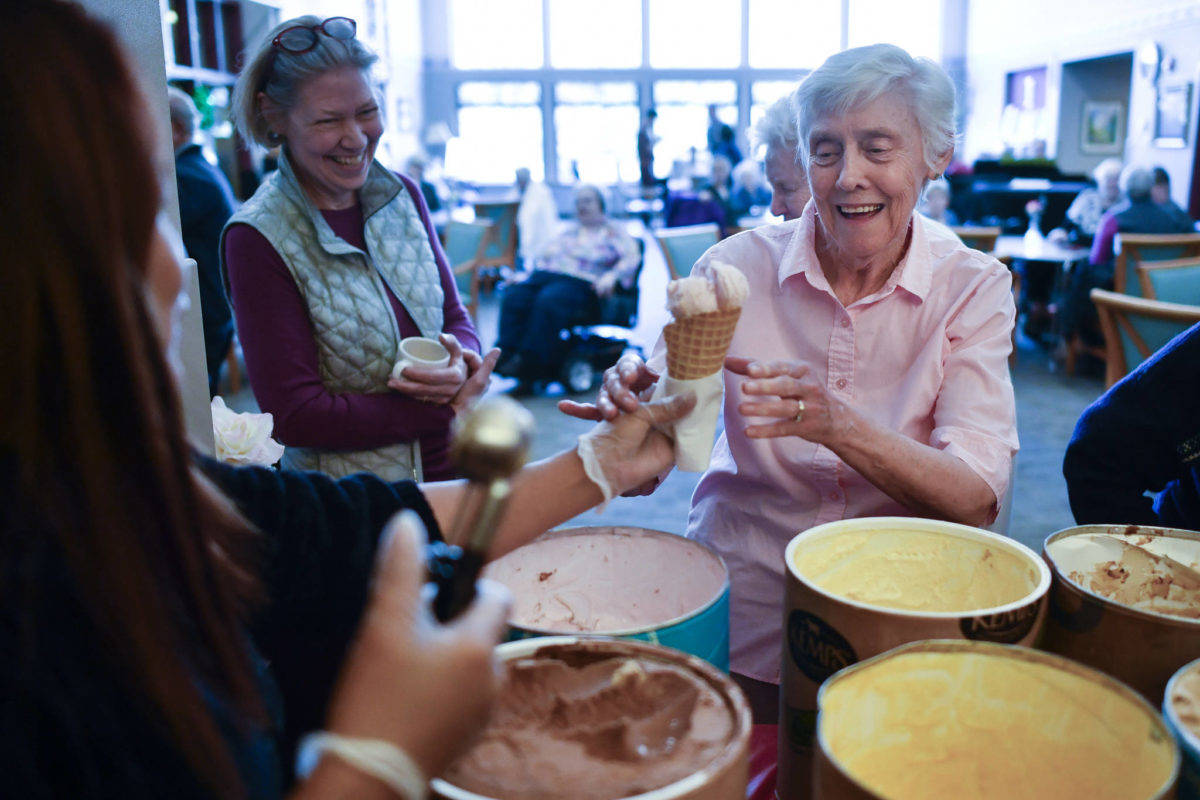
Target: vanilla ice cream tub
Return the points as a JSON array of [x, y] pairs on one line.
[[596, 718], [948, 719], [856, 588], [1125, 600], [626, 582], [1181, 708]]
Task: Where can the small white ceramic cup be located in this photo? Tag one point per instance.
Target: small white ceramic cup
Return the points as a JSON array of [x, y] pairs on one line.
[[418, 351]]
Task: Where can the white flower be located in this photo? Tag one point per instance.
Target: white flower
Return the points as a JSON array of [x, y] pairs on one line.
[[244, 438]]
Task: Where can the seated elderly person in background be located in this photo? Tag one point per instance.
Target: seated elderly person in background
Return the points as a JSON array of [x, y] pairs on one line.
[[1137, 213], [719, 187], [776, 130], [1139, 438], [581, 265], [829, 413], [935, 203], [333, 261], [415, 168], [1160, 193], [1087, 209], [749, 189]]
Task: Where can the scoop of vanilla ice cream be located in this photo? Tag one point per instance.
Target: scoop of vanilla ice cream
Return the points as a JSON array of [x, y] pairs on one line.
[[690, 296], [729, 284]]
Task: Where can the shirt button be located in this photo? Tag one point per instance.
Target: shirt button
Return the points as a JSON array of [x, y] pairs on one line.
[[841, 383], [845, 322]]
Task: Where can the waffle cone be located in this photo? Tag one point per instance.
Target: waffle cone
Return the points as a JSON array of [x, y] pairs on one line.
[[696, 345]]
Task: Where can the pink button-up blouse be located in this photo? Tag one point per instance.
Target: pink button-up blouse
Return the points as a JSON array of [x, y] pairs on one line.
[[925, 356]]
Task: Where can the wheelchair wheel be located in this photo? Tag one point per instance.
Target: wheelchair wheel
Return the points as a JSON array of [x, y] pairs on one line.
[[577, 375]]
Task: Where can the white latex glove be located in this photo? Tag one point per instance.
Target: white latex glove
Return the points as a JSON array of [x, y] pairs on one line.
[[632, 449], [694, 433]]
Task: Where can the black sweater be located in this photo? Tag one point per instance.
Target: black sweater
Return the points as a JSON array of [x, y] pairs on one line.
[[69, 728]]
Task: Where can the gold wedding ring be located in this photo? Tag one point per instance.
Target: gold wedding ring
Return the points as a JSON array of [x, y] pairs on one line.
[[799, 410]]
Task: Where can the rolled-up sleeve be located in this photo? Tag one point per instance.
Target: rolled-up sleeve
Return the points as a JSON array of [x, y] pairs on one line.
[[975, 416]]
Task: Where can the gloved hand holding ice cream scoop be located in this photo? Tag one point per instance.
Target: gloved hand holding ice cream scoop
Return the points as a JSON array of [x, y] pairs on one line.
[[706, 307]]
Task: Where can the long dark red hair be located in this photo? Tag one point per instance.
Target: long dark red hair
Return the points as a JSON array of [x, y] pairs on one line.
[[91, 412]]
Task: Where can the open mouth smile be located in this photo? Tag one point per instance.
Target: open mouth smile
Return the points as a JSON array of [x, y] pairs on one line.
[[860, 211], [348, 161]]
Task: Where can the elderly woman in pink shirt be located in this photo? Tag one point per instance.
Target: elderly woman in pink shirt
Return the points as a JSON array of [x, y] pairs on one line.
[[868, 374]]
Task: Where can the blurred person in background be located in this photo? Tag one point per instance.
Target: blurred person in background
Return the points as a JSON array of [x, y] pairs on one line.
[[720, 187], [537, 217], [415, 168], [1160, 193], [1087, 209], [646, 139], [750, 190], [935, 203], [205, 204], [776, 130], [333, 261], [170, 624], [581, 265]]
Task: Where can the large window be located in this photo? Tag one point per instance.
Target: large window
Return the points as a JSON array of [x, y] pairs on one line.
[[596, 125], [786, 34], [591, 35], [762, 95], [485, 34], [915, 25], [683, 117], [499, 130], [685, 33]]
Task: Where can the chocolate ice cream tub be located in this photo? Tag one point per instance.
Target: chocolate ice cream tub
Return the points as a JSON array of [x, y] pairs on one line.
[[594, 718], [943, 719], [631, 583], [1181, 709], [856, 588], [1117, 606]]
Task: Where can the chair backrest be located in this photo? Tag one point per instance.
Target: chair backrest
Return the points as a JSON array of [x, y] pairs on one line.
[[978, 238], [502, 250], [1134, 248], [682, 247], [1134, 328], [465, 246], [1175, 281]]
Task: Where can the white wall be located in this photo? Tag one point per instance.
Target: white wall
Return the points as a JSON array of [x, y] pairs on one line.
[[139, 24], [1007, 35]]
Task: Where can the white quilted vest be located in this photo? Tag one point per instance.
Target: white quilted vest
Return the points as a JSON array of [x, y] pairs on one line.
[[356, 332]]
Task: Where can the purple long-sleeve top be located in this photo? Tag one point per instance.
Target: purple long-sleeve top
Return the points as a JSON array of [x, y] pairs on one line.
[[281, 352]]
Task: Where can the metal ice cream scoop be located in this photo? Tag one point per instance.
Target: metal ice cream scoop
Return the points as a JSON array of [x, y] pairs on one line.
[[490, 445]]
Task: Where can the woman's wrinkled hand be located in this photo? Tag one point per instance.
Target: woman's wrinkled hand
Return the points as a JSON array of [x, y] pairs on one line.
[[479, 370], [435, 384], [786, 390], [424, 687], [625, 385]]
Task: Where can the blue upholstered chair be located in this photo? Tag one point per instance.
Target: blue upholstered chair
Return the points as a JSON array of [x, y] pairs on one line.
[[1136, 248], [683, 246], [1175, 281], [465, 245], [1134, 328]]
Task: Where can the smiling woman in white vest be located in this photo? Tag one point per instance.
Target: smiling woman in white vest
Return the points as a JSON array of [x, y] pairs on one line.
[[333, 261]]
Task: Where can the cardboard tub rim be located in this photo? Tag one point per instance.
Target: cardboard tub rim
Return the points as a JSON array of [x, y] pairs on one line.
[[1112, 605], [1172, 716], [1028, 654], [680, 788], [581, 530], [1034, 595]]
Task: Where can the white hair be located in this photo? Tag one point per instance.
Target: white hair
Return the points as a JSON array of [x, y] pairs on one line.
[[1137, 181], [1109, 166], [861, 75], [777, 127], [182, 109], [746, 171]]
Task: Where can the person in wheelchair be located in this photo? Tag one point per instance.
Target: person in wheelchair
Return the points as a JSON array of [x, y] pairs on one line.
[[576, 272]]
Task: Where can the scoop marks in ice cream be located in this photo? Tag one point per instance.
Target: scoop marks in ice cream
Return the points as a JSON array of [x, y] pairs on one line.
[[607, 582], [1155, 573], [594, 726], [959, 724], [916, 570]]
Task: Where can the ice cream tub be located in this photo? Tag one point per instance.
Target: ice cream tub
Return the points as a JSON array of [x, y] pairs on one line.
[[1125, 600], [1181, 709], [953, 718], [630, 583], [856, 588], [595, 718]]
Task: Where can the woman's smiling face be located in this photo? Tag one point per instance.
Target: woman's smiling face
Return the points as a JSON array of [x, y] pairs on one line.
[[331, 135], [867, 168]]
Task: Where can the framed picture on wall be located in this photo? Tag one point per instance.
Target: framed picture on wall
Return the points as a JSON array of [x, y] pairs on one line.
[[1102, 127], [1172, 113]]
